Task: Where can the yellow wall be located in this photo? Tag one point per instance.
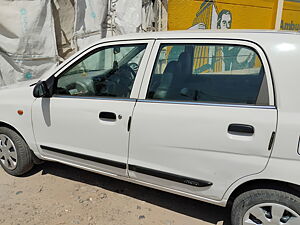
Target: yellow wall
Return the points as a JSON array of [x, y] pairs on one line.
[[291, 16], [181, 13], [250, 14]]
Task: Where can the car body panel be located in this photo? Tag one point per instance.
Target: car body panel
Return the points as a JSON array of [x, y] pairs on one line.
[[14, 98], [68, 126], [192, 141]]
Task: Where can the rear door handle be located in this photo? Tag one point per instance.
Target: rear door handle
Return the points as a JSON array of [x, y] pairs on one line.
[[240, 129], [107, 116]]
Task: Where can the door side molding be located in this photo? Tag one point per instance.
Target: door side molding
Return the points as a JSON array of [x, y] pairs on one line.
[[143, 170], [170, 176], [86, 157]]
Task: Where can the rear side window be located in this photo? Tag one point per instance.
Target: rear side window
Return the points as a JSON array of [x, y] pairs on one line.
[[228, 74]]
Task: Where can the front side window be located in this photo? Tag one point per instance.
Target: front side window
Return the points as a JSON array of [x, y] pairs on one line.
[[208, 73], [105, 72]]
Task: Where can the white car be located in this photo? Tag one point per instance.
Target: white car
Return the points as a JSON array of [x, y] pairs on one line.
[[211, 115]]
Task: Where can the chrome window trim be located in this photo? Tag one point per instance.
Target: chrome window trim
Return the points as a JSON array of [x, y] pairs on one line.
[[95, 98], [167, 102], [207, 104]]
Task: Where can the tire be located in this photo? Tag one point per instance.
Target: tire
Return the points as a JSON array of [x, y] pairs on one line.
[[15, 155], [266, 206]]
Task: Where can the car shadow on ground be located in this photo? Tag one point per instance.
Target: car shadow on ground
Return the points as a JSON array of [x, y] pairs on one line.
[[189, 207]]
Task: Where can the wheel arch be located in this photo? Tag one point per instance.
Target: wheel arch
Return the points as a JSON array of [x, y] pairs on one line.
[[264, 184], [4, 124], [35, 158]]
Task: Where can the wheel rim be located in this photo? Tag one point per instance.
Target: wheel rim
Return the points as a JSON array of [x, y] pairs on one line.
[[8, 152], [271, 214]]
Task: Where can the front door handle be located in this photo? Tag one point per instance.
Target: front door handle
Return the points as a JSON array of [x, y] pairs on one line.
[[240, 129], [107, 116]]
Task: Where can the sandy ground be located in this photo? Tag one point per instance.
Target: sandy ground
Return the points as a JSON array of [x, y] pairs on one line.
[[55, 194]]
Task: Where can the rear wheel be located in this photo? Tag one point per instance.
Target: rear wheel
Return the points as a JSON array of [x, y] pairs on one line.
[[266, 207], [15, 155]]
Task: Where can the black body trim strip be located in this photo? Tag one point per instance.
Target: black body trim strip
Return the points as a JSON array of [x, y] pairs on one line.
[[86, 157], [150, 172], [170, 176], [129, 124], [271, 141]]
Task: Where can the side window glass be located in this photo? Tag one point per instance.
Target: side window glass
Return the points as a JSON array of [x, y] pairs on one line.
[[209, 73], [106, 72]]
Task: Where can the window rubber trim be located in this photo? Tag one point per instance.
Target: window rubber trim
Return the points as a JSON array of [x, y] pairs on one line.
[[218, 39], [95, 98], [207, 104], [83, 56]]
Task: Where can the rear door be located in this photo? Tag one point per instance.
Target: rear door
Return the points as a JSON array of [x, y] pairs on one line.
[[205, 116]]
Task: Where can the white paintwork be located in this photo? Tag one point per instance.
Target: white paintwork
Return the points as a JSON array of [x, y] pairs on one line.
[[14, 98], [226, 164], [73, 124], [192, 140]]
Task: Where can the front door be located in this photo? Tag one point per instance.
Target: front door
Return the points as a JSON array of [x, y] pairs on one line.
[[206, 118], [85, 123]]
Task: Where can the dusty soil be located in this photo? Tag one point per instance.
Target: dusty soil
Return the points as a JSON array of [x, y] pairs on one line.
[[55, 194]]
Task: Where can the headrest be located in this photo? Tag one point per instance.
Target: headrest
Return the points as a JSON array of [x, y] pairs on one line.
[[185, 62], [171, 67]]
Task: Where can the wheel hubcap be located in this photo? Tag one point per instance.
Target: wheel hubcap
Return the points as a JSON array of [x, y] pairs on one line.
[[8, 153], [271, 214]]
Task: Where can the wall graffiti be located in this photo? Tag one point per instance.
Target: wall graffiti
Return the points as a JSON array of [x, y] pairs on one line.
[[231, 14], [225, 58], [209, 17], [224, 19], [289, 26], [228, 14]]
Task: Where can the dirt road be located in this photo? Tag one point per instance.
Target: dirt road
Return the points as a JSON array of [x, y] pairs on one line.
[[55, 194]]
